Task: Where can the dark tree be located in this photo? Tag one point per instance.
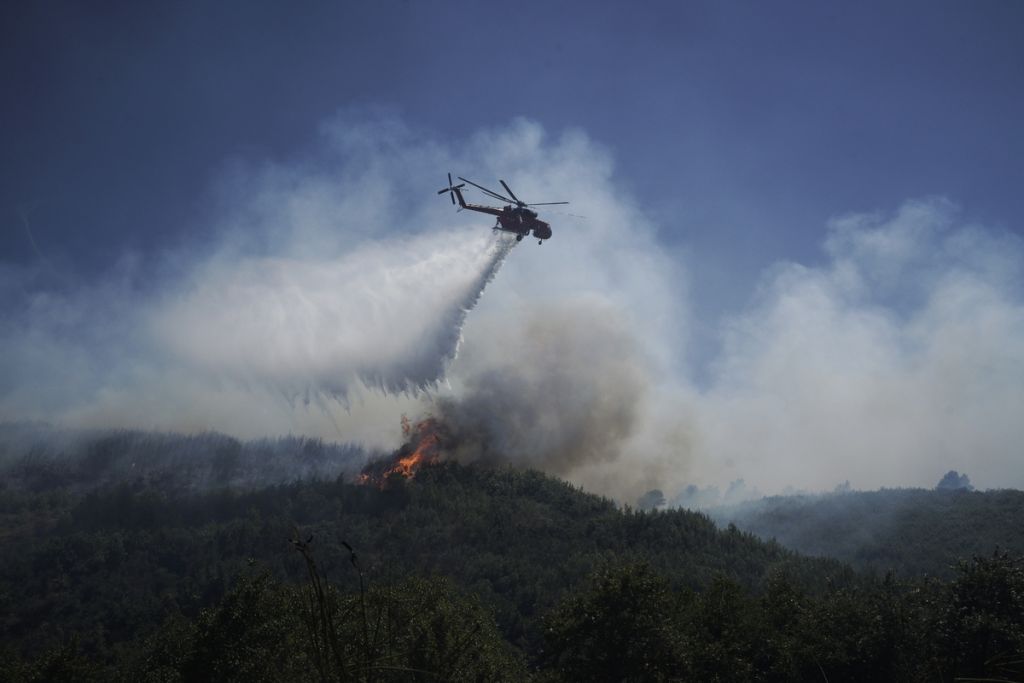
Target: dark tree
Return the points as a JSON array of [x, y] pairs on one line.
[[953, 481], [620, 627], [652, 500]]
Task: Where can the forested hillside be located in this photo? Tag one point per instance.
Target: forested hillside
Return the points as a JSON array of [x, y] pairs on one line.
[[908, 531], [461, 573]]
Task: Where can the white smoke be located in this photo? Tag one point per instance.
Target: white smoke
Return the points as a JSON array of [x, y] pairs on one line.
[[899, 359], [330, 288]]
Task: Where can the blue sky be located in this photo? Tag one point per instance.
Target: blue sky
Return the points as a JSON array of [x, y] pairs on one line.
[[742, 126], [804, 214]]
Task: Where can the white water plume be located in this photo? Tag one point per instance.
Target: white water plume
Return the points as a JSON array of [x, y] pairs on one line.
[[388, 315]]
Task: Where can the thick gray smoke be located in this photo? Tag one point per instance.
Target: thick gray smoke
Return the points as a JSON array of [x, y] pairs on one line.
[[564, 390], [567, 388]]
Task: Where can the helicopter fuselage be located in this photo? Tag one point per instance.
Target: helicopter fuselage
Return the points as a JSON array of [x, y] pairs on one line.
[[522, 221], [515, 219]]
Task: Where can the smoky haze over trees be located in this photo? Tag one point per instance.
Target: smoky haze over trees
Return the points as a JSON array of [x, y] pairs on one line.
[[36, 457], [907, 531]]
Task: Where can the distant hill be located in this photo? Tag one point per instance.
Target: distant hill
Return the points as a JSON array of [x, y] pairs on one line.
[[910, 531]]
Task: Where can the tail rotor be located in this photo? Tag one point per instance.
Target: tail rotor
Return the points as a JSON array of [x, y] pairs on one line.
[[450, 189]]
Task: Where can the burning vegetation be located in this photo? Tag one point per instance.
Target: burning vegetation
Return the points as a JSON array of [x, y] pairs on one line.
[[422, 446]]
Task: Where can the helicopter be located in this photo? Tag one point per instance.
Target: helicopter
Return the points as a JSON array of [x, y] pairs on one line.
[[515, 217]]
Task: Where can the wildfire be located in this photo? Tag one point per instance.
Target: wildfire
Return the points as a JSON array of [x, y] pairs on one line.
[[422, 445]]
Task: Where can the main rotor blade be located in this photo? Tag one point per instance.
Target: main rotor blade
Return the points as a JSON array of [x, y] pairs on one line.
[[490, 192], [509, 190], [547, 203], [499, 197]]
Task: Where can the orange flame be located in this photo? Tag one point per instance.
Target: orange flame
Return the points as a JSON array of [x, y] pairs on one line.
[[424, 440], [427, 441]]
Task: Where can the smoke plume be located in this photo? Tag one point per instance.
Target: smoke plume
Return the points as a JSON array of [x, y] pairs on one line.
[[562, 390], [899, 358], [327, 296]]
